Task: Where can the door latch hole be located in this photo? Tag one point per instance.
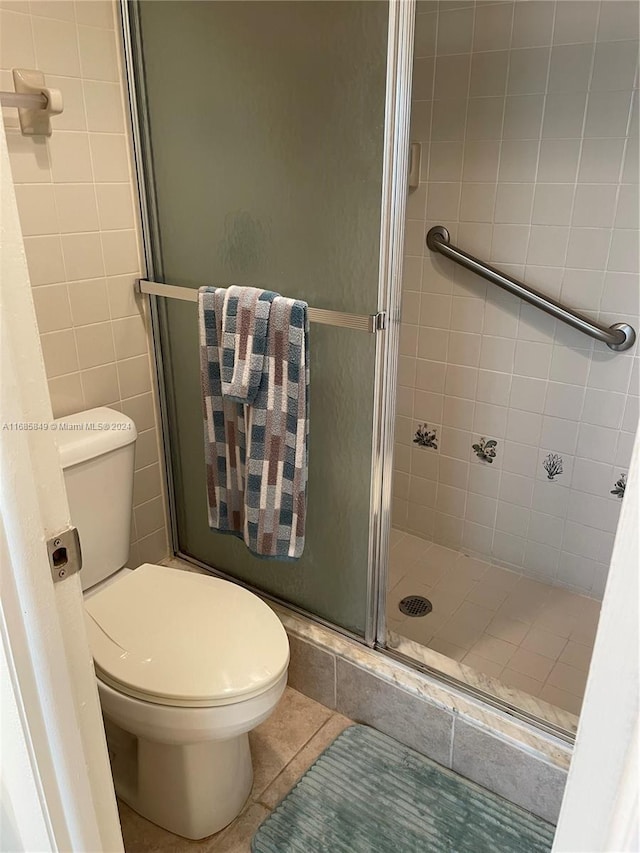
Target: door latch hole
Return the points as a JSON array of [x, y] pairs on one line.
[[59, 558]]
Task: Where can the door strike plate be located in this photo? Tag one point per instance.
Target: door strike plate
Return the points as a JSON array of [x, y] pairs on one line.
[[65, 556]]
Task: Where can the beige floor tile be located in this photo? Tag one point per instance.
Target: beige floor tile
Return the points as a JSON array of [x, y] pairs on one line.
[[427, 573], [568, 678], [397, 570], [452, 583], [521, 681], [396, 536], [438, 616], [472, 567], [531, 664], [420, 629], [449, 649], [411, 548], [577, 654], [494, 649], [501, 578], [560, 698], [142, 836], [584, 629], [505, 628], [274, 743], [237, 838], [488, 595], [565, 601], [474, 614], [533, 589], [483, 665], [590, 608], [562, 624], [459, 632], [544, 643], [445, 601], [438, 555], [285, 781], [518, 606], [393, 623]]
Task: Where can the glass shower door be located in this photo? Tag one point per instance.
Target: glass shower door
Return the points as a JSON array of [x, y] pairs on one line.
[[263, 124]]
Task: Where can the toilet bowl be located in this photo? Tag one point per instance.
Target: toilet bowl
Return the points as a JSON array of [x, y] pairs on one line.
[[186, 664]]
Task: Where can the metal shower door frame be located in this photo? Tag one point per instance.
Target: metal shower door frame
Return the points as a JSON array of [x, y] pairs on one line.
[[394, 181]]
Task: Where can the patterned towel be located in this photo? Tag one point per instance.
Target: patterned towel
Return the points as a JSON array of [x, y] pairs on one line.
[[256, 453], [244, 336]]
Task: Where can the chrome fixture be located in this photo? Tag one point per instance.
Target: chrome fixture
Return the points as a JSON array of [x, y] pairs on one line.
[[619, 337], [363, 322]]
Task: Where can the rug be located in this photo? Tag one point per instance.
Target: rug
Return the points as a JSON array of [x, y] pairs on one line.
[[367, 793]]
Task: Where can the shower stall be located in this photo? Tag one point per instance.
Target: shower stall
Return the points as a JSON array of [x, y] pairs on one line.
[[467, 451]]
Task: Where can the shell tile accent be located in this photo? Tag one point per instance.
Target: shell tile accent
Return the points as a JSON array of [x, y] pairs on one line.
[[552, 464]]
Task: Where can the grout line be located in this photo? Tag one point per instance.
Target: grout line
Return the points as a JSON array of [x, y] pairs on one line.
[[453, 736], [296, 754], [335, 683]]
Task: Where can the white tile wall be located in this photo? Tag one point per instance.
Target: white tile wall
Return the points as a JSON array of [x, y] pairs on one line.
[[76, 204], [527, 116]]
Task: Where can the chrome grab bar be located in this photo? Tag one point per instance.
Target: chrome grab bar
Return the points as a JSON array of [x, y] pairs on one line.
[[619, 337], [371, 323]]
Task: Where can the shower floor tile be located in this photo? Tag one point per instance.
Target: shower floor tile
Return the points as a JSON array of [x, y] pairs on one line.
[[283, 748], [531, 635]]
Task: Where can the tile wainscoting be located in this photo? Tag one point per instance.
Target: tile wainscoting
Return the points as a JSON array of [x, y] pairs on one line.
[[78, 213], [513, 429]]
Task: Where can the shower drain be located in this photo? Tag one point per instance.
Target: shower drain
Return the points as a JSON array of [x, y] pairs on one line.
[[415, 605]]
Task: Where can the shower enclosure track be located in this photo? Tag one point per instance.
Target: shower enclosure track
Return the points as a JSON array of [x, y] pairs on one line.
[[619, 337]]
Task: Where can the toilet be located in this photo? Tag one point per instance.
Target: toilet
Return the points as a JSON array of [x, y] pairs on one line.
[[187, 664]]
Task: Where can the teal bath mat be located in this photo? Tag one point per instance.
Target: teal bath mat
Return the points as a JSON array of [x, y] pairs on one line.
[[367, 793]]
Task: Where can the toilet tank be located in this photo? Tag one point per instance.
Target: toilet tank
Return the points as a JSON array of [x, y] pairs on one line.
[[96, 452]]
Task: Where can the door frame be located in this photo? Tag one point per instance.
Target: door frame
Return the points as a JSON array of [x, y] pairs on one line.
[[56, 776], [395, 172]]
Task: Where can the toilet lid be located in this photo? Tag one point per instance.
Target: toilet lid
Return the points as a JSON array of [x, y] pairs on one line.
[[181, 638]]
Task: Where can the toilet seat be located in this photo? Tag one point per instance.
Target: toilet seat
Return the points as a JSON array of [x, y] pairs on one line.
[[184, 639]]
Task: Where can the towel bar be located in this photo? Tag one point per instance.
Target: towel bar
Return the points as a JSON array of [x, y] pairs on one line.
[[371, 323]]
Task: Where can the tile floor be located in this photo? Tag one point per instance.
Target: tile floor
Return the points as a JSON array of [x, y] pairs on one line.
[[283, 747], [532, 636]]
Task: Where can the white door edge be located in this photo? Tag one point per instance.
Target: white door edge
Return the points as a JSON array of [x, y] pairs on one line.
[[43, 634], [600, 806]]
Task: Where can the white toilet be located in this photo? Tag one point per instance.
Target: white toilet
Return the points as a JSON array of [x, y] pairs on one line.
[[187, 664]]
